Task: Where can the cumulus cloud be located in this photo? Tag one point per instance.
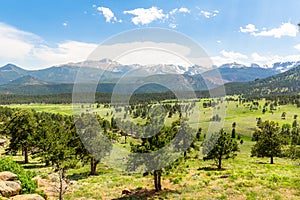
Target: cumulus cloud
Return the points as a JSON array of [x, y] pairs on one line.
[[250, 28], [285, 29], [208, 14], [107, 13], [146, 16], [29, 50]]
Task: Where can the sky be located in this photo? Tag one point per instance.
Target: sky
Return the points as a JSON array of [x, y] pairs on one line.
[[37, 34]]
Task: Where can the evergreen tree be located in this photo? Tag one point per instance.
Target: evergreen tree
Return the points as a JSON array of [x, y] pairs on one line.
[[150, 153], [285, 133], [21, 128], [220, 146], [233, 130], [269, 141], [96, 142], [198, 134]]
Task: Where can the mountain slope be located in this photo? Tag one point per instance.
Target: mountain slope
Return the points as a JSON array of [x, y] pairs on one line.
[[11, 72], [242, 74], [26, 80], [284, 83]]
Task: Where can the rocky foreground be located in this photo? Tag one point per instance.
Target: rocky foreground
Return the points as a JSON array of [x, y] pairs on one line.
[[10, 188]]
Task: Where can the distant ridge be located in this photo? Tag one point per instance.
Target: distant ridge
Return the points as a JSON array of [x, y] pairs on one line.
[[60, 79], [26, 80], [11, 72], [285, 83]]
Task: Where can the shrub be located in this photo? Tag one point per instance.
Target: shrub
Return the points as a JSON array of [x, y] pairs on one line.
[[28, 185]]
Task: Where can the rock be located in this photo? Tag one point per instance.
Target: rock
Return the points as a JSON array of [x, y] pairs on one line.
[[8, 176], [2, 142], [27, 197], [9, 188], [15, 186]]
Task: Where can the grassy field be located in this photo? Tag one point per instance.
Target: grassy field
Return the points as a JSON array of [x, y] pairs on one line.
[[234, 112], [242, 178], [245, 177]]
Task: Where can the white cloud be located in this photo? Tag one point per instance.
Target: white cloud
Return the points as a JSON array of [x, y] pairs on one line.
[[175, 10], [143, 53], [250, 28], [184, 10], [233, 55], [172, 25], [208, 14], [297, 47], [179, 10], [15, 43], [269, 60], [229, 57], [285, 29], [68, 51], [146, 16], [107, 13], [29, 50]]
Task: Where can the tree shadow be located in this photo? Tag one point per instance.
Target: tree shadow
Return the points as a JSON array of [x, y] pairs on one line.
[[144, 194], [261, 162], [32, 165], [78, 176], [210, 169], [83, 175]]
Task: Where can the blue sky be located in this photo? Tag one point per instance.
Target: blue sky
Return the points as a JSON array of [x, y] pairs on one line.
[[37, 34]]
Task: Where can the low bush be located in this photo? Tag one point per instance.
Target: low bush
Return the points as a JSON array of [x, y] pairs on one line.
[[28, 185]]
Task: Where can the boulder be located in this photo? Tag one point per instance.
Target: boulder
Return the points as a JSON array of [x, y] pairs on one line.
[[8, 176], [27, 197], [9, 188], [2, 142]]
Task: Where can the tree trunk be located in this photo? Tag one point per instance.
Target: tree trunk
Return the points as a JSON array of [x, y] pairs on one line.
[[184, 154], [157, 180], [272, 160], [26, 154], [220, 163], [125, 139], [61, 189], [94, 164]]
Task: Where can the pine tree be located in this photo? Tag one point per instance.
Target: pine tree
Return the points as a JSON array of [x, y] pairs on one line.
[[149, 153], [95, 140], [21, 128], [269, 141], [220, 146], [233, 130]]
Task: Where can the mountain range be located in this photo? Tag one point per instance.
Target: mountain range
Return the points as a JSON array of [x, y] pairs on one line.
[[155, 78], [287, 82]]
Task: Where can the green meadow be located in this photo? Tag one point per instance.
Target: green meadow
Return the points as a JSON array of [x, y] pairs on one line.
[[243, 177], [233, 112]]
